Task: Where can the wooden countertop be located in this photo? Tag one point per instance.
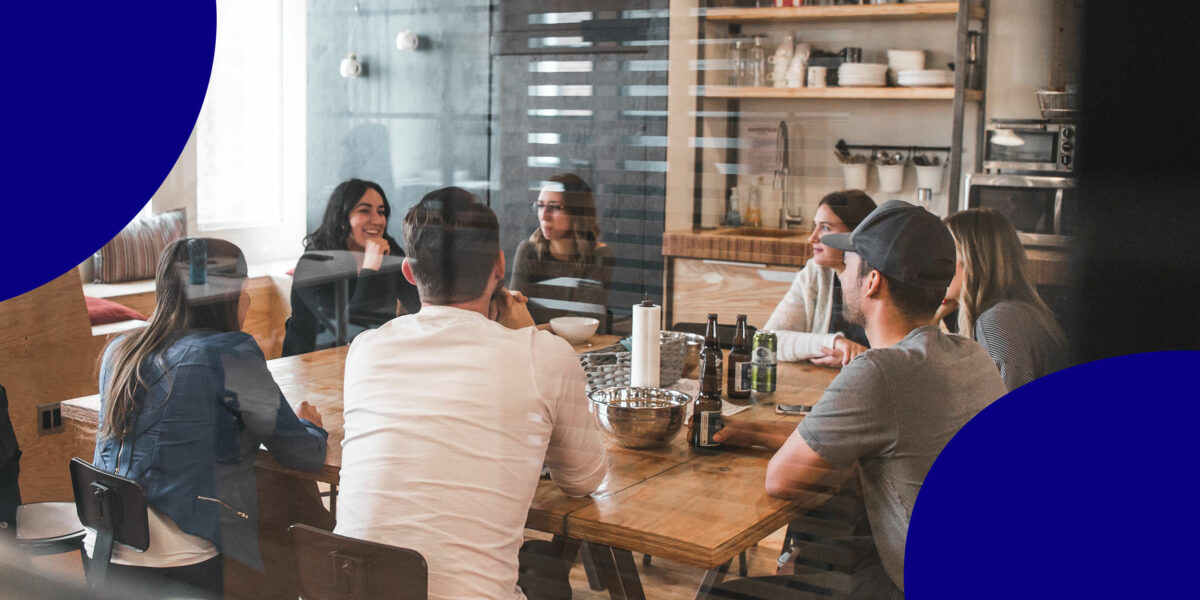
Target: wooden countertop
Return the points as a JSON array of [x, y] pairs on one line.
[[791, 248]]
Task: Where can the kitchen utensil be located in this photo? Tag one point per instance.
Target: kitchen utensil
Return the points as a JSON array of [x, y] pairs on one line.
[[640, 417], [1056, 104], [930, 177], [891, 177], [855, 175]]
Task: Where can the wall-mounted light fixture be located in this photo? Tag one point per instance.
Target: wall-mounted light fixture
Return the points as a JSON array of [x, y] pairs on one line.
[[407, 41], [350, 67]]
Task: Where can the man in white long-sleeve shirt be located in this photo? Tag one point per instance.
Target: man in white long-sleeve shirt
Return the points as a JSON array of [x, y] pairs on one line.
[[451, 412]]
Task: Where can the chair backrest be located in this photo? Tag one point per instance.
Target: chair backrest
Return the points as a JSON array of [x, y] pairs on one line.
[[110, 503], [331, 566]]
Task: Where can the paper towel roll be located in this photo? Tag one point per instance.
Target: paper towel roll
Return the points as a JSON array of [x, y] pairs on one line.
[[644, 372]]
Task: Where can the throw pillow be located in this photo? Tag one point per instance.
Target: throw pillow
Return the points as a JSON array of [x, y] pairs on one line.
[[102, 311], [133, 254]]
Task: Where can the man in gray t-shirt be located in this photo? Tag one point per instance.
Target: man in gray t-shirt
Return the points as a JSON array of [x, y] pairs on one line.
[[893, 408]]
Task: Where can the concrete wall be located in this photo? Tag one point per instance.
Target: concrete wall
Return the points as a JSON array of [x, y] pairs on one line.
[[415, 121]]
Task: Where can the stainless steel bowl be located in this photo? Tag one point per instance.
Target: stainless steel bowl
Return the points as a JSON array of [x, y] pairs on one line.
[[640, 417]]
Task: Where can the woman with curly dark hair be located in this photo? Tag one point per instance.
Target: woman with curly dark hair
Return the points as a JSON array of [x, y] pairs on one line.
[[349, 279]]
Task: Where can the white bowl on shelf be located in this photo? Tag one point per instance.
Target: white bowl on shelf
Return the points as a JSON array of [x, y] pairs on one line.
[[574, 329]]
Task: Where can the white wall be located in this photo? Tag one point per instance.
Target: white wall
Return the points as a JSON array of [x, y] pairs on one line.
[[282, 240]]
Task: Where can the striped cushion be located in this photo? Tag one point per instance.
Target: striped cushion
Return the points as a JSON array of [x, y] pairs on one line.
[[133, 254]]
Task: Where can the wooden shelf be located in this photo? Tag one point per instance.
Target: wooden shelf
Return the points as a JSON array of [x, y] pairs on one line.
[[838, 93], [919, 10]]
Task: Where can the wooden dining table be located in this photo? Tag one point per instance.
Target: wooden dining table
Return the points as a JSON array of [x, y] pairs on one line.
[[669, 502]]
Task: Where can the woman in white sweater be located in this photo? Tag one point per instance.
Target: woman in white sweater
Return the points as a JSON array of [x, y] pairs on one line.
[[809, 320]]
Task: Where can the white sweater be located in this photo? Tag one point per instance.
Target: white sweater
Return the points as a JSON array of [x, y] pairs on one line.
[[802, 318]]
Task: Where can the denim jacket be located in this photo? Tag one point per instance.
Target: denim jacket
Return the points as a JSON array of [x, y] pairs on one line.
[[207, 403]]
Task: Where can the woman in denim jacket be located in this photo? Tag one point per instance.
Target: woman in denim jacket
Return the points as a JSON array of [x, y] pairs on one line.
[[185, 404]]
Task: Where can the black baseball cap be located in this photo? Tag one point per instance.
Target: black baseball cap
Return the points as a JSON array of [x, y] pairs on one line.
[[902, 241]]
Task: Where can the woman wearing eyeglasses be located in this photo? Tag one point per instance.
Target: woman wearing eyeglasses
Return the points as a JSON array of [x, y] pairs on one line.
[[563, 268]]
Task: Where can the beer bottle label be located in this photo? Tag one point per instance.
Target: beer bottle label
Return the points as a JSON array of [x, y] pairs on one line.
[[741, 382], [710, 423]]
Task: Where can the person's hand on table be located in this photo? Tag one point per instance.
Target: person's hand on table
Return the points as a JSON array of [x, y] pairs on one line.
[[376, 248], [308, 411], [510, 310], [771, 434], [843, 351]]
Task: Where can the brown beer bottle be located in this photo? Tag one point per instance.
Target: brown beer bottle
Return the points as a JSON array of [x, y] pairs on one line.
[[706, 412], [738, 388]]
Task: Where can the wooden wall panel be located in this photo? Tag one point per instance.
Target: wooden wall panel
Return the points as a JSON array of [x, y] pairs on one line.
[[47, 354]]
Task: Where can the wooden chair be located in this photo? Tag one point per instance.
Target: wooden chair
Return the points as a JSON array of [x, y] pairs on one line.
[[115, 507], [335, 567]]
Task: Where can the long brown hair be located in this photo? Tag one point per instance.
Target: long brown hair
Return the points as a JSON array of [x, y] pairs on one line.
[[581, 208], [994, 269], [179, 306]]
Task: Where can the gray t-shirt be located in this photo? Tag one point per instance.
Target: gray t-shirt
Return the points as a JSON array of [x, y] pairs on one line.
[[893, 410]]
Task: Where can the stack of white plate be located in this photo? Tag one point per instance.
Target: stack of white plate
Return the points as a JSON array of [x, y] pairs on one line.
[[862, 74], [925, 78], [904, 60]]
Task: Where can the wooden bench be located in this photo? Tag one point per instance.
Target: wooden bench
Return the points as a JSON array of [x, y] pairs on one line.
[[270, 306]]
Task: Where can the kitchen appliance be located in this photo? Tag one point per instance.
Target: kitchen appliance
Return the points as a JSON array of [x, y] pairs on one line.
[[1030, 146], [1044, 209]]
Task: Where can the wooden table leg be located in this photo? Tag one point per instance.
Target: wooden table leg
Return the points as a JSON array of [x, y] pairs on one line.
[[617, 571], [589, 568], [712, 578], [627, 573]]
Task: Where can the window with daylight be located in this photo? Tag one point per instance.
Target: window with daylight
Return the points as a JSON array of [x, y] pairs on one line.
[[239, 134]]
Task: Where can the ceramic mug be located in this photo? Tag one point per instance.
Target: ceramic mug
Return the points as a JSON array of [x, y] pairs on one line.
[[816, 77], [795, 72]]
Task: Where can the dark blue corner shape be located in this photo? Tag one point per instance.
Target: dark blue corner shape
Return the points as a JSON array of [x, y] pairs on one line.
[[1082, 484], [99, 99]]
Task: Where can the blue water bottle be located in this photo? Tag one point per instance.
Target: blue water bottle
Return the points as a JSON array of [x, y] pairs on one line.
[[197, 261]]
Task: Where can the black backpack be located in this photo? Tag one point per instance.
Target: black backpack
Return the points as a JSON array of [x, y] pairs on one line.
[[10, 467]]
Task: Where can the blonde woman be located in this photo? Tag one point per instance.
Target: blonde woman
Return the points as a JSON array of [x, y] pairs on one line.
[[184, 405], [997, 305], [563, 268]]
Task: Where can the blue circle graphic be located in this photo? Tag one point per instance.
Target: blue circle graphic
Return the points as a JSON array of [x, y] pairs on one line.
[[100, 98], [1078, 485]]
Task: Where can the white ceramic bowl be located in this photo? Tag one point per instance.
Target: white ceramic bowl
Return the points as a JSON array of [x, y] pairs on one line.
[[574, 329]]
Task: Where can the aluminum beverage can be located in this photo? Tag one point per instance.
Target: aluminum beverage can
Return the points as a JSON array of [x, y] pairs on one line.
[[762, 370]]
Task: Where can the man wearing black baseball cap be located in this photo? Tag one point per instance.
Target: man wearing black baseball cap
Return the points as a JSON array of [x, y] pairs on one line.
[[892, 409]]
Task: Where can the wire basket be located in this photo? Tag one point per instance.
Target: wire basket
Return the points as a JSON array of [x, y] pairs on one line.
[[1055, 104], [614, 369]]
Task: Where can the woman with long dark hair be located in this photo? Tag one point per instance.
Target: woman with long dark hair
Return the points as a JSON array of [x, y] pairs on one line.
[[349, 278], [809, 320], [997, 304], [565, 248], [186, 403]]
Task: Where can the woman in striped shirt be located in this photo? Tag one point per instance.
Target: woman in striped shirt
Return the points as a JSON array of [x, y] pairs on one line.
[[997, 304]]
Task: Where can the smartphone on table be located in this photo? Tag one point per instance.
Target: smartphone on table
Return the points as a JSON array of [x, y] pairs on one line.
[[792, 409]]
